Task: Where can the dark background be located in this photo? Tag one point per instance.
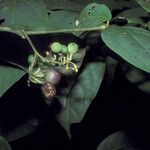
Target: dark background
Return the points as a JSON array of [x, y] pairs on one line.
[[117, 106]]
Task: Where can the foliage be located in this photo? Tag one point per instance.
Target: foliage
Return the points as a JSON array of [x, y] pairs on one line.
[[4, 144], [144, 4], [127, 42], [81, 94], [33, 18], [8, 77]]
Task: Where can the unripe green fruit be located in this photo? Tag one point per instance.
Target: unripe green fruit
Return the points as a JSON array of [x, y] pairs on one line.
[[31, 58], [64, 49], [72, 48], [56, 47]]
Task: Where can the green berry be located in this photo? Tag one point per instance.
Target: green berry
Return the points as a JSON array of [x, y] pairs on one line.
[[31, 58], [56, 47], [64, 49], [72, 48]]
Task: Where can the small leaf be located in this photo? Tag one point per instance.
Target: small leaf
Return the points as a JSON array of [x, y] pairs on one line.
[[93, 15], [4, 144], [145, 4], [82, 94], [8, 76], [131, 43]]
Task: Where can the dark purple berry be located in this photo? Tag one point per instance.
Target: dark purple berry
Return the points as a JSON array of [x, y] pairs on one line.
[[49, 90], [52, 76]]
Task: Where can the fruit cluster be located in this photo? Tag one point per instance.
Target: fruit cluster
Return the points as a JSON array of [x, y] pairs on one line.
[[63, 54], [56, 47], [43, 70]]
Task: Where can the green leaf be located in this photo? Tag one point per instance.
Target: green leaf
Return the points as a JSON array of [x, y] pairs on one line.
[[25, 14], [145, 4], [4, 144], [148, 25], [22, 130], [145, 86], [78, 5], [8, 76], [82, 94], [32, 16], [117, 141], [127, 4], [110, 4], [65, 5], [66, 17], [131, 43], [138, 78], [93, 15], [134, 15]]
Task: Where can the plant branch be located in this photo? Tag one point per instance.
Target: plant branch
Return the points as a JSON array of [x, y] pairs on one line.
[[9, 30], [68, 30], [15, 64], [18, 32], [32, 46]]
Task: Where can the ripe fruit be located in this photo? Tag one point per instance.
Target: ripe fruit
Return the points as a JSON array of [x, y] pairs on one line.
[[64, 49], [52, 76], [55, 47], [49, 90], [31, 58], [72, 48]]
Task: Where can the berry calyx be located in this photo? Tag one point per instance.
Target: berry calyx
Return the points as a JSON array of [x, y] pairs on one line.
[[52, 76], [72, 48], [31, 58], [64, 49], [55, 47]]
